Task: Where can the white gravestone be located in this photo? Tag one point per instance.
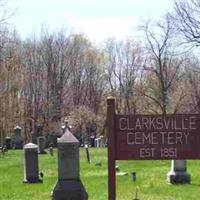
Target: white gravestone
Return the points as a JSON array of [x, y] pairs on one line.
[[178, 173]]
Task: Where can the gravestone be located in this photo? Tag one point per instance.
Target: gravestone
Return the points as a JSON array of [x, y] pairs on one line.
[[41, 141], [37, 133], [101, 141], [96, 142], [17, 142], [31, 172], [63, 127], [49, 140], [51, 150], [8, 142], [178, 173], [92, 142], [69, 185], [87, 153]]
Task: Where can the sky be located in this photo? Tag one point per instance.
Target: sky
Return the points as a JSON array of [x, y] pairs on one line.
[[97, 19]]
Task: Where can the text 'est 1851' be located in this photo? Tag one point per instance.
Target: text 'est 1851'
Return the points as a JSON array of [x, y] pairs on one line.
[[157, 137]]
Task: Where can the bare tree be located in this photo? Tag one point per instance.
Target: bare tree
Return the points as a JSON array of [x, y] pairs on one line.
[[186, 17], [163, 67], [123, 67], [192, 74], [5, 12]]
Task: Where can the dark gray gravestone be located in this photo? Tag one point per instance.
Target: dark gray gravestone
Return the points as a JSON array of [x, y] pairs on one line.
[[69, 185], [31, 172], [41, 142], [8, 142], [51, 150], [92, 143], [17, 142]]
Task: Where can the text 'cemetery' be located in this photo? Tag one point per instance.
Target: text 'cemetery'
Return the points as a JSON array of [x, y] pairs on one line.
[[157, 137]]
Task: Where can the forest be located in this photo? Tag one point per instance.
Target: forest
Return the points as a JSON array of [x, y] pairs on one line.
[[49, 78]]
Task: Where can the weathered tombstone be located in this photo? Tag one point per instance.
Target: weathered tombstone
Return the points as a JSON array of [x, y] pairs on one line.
[[63, 127], [178, 173], [87, 153], [8, 142], [69, 185], [51, 149], [101, 141], [37, 132], [17, 142], [92, 143], [96, 142], [3, 150], [31, 172], [41, 141], [133, 176]]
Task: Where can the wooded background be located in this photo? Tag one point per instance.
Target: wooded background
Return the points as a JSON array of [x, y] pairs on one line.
[[57, 75]]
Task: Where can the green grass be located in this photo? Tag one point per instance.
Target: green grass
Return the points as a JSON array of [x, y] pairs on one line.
[[151, 178]]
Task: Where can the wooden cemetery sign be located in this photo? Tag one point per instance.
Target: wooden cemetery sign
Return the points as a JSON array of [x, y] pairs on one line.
[[149, 137]]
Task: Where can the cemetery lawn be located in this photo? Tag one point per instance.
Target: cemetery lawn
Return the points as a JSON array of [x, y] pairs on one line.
[[151, 178]]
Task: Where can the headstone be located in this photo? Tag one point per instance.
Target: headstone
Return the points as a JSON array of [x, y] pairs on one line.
[[178, 173], [87, 153], [49, 140], [63, 127], [92, 143], [101, 141], [96, 142], [133, 176], [8, 142], [51, 149], [3, 150], [39, 130], [41, 141], [69, 185], [31, 171], [17, 142]]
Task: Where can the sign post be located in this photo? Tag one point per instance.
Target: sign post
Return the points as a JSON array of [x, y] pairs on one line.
[[111, 148], [149, 137]]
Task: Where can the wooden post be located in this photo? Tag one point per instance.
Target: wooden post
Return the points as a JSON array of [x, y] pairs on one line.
[[111, 148]]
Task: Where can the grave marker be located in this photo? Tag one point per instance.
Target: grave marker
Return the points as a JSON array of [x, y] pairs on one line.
[[178, 172], [69, 185], [17, 142], [51, 149], [41, 141], [87, 153], [31, 172]]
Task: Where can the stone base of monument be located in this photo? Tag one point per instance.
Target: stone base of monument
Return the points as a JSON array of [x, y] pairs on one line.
[[33, 180], [178, 177], [69, 190]]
